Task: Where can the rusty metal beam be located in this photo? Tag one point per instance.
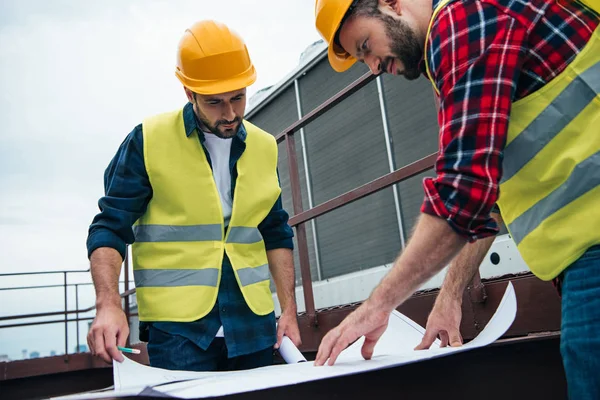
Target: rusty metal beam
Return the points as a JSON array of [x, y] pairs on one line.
[[368, 188], [309, 300]]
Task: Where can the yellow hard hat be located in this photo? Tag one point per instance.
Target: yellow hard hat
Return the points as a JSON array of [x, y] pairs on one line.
[[328, 18], [213, 59]]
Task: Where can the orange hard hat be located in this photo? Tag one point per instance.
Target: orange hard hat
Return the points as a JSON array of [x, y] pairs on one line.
[[328, 18], [213, 59]]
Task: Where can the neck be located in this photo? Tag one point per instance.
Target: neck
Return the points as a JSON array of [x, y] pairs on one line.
[[420, 12]]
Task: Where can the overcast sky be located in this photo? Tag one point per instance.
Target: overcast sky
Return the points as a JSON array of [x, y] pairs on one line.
[[75, 78]]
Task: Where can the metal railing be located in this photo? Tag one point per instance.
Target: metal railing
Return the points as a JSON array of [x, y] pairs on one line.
[[298, 220], [65, 312]]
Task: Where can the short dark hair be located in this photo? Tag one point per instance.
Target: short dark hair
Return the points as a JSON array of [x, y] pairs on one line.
[[365, 8]]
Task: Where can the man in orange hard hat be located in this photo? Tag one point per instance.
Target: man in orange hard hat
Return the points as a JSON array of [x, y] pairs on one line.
[[535, 63], [196, 191]]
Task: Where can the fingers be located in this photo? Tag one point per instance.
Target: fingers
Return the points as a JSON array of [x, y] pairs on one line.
[[428, 339], [297, 339], [443, 338], [340, 345], [280, 332], [99, 349], [110, 343], [326, 346], [455, 338]]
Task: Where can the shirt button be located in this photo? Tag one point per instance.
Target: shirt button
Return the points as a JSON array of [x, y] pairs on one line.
[[223, 310]]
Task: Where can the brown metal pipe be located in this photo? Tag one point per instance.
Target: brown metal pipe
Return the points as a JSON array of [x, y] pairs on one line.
[[368, 188], [309, 300], [476, 289]]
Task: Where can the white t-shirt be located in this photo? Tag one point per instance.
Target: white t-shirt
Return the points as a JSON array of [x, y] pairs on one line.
[[219, 150]]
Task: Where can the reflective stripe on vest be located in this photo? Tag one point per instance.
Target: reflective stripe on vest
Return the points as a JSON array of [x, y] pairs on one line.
[[180, 241], [570, 102], [170, 233], [194, 233], [550, 185], [176, 277]]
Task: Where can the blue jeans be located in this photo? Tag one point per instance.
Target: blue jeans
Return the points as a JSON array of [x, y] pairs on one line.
[[176, 352], [580, 330]]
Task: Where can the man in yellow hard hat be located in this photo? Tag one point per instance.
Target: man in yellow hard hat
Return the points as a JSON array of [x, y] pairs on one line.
[[535, 63], [196, 191]]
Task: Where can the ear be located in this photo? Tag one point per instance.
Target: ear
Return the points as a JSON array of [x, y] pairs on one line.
[[189, 94], [390, 5]]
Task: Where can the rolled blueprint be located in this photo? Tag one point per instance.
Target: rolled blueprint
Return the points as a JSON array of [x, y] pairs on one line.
[[289, 352]]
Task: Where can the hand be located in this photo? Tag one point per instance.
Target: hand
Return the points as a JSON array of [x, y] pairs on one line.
[[108, 331], [367, 320], [288, 326], [444, 321]]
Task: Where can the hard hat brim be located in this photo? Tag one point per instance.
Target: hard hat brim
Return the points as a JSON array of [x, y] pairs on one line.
[[219, 86], [338, 62]]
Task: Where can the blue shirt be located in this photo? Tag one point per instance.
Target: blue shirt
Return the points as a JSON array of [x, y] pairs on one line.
[[127, 193]]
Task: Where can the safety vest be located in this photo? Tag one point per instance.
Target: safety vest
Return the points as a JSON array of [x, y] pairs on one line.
[[550, 186], [180, 242]]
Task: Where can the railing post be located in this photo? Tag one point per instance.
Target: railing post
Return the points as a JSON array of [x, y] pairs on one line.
[[66, 320], [77, 313], [476, 289], [309, 299], [127, 310]]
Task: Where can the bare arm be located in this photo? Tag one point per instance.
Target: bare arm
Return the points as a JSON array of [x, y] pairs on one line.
[[444, 319], [105, 265], [109, 328], [281, 265], [431, 247], [467, 262]]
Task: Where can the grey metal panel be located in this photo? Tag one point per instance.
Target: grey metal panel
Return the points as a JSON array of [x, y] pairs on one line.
[[346, 148], [412, 118], [274, 118]]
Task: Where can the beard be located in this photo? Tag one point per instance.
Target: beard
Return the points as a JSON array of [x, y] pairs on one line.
[[217, 129], [404, 45]]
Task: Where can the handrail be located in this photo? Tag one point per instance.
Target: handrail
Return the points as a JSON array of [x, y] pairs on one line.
[[45, 272], [49, 286]]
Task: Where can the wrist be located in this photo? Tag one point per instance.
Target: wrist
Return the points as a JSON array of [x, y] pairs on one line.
[[108, 301], [289, 310], [450, 295]]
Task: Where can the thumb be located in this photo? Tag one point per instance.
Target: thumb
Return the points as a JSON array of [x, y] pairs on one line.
[[455, 338], [428, 339], [279, 336]]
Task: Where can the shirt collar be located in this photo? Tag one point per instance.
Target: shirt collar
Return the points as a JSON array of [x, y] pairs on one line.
[[191, 124]]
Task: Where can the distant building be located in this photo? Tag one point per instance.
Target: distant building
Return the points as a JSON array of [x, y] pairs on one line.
[[4, 358], [24, 352], [52, 353], [34, 354]]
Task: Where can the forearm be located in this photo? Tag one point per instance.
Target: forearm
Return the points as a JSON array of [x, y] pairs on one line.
[[431, 247], [281, 265], [105, 266], [467, 262]]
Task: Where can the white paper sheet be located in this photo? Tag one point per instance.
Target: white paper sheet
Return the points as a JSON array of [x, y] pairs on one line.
[[289, 352], [395, 348]]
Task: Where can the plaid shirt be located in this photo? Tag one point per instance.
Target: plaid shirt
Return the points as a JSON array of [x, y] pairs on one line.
[[484, 55]]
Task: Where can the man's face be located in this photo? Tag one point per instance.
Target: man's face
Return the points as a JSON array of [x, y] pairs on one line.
[[220, 114], [385, 43]]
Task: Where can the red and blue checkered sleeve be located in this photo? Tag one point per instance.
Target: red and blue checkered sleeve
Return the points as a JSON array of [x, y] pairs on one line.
[[475, 55]]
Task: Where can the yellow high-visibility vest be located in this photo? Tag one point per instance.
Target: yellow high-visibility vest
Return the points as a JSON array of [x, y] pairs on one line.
[[180, 241], [550, 187]]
